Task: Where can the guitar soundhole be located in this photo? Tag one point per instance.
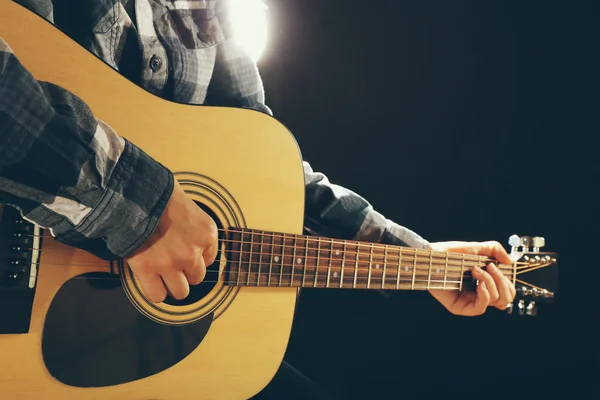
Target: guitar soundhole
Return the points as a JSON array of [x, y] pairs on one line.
[[197, 292]]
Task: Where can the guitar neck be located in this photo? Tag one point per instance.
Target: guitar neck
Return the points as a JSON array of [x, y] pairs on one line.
[[258, 258]]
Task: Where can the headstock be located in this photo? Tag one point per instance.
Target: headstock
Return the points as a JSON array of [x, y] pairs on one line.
[[536, 274]]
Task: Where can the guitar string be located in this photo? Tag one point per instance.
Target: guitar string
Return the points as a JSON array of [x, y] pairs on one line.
[[392, 276], [394, 254], [425, 252], [296, 283], [393, 279], [361, 265]]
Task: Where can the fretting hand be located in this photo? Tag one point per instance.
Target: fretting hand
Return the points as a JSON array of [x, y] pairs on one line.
[[494, 289], [177, 253]]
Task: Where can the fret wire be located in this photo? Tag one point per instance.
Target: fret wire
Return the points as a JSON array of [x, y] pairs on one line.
[[446, 271], [282, 258], [355, 268], [250, 262], [414, 270], [317, 265], [260, 259], [330, 260], [370, 267], [430, 262], [399, 267], [293, 261], [343, 262], [240, 257], [384, 267], [271, 259], [462, 269], [305, 264]]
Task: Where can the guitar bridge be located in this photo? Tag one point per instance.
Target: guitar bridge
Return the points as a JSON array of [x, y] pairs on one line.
[[20, 244]]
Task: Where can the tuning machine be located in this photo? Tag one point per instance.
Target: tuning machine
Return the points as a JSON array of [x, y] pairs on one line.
[[530, 309], [536, 242]]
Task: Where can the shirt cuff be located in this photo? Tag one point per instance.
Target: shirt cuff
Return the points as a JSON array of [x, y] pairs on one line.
[[129, 210]]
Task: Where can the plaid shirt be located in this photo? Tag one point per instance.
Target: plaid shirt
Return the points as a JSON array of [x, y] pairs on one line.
[[69, 172]]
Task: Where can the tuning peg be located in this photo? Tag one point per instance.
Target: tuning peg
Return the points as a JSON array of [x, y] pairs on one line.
[[521, 306], [514, 241], [531, 309], [509, 309], [525, 243], [538, 243]]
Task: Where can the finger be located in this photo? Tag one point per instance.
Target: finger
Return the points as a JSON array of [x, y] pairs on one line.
[[490, 248], [153, 287], [483, 276], [494, 249], [195, 271], [482, 300], [502, 285], [210, 252], [177, 284], [511, 288]]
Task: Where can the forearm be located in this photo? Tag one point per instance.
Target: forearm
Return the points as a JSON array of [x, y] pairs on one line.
[[334, 211], [71, 173]]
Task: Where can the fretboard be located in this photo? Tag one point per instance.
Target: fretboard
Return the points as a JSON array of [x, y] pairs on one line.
[[258, 258]]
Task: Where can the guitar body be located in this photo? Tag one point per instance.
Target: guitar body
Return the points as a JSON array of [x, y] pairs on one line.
[[243, 165]]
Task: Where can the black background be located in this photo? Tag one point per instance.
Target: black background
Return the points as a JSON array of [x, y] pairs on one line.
[[458, 120]]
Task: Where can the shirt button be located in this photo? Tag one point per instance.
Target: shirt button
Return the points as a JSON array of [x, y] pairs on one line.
[[155, 63]]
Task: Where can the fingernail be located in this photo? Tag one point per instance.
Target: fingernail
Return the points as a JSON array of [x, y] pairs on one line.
[[492, 266], [477, 270]]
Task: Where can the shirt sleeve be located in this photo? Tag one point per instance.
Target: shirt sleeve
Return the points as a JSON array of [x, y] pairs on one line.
[[69, 172], [334, 211]]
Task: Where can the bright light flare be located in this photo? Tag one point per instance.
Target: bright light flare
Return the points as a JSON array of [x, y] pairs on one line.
[[249, 24]]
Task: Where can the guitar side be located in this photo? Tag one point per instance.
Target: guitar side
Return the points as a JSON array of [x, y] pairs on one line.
[[247, 153]]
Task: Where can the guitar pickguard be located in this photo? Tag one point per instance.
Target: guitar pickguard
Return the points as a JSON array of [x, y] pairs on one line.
[[93, 336]]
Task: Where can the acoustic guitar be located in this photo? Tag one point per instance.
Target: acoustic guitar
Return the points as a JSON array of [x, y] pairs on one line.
[[73, 326]]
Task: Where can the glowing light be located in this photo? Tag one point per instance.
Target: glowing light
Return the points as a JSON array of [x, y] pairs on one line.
[[249, 24]]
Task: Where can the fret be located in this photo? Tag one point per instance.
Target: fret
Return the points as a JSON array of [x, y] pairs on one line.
[[293, 261], [330, 261], [384, 267], [231, 253], [305, 262], [399, 267], [260, 254], [430, 265], [317, 264], [250, 258], [462, 271], [356, 267], [282, 258], [414, 269], [343, 261], [370, 267], [446, 271], [240, 259], [271, 253]]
